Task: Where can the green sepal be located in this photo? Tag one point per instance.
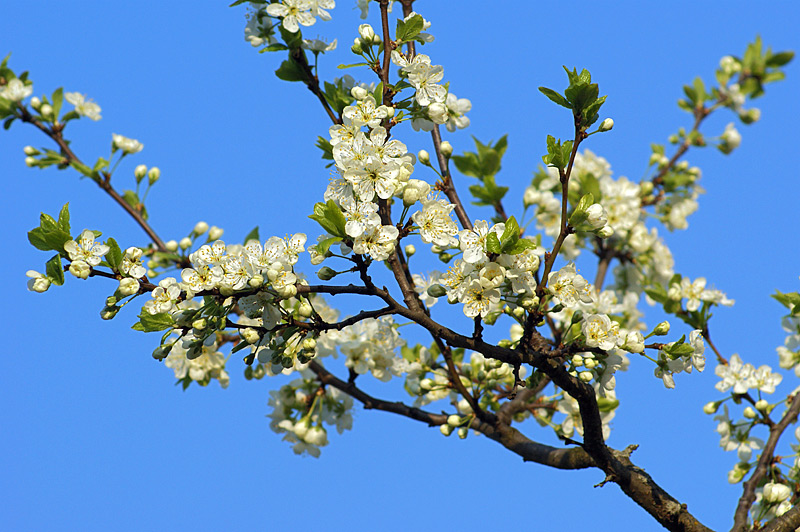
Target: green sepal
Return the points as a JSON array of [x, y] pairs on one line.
[[153, 322], [114, 255], [788, 300], [274, 47], [238, 347], [604, 404], [54, 270]]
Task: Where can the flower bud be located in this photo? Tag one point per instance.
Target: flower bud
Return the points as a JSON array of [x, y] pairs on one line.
[[634, 342], [161, 352], [446, 429], [661, 329], [596, 216], [462, 432], [250, 335], [36, 103], [436, 290], [80, 269], [305, 309], [215, 233], [590, 363], [30, 162], [139, 172], [606, 125], [750, 116], [316, 436], [437, 112], [454, 420], [109, 312], [410, 250], [171, 245], [424, 157], [326, 274], [128, 286], [774, 492], [646, 188], [185, 243], [426, 384], [736, 474], [357, 48], [446, 148], [368, 34], [359, 93], [38, 282], [30, 150], [762, 405], [153, 175], [605, 231], [711, 408], [749, 413], [577, 360], [200, 228], [309, 344], [46, 110], [585, 376]]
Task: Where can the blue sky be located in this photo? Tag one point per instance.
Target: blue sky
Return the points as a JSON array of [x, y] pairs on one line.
[[95, 435]]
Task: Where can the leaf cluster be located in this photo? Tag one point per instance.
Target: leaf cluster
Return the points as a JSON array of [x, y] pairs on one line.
[[581, 97]]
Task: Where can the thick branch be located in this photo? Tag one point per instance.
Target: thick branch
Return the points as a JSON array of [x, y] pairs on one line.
[[448, 187]]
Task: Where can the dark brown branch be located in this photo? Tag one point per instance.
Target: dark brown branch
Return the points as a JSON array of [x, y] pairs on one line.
[[448, 187], [510, 438]]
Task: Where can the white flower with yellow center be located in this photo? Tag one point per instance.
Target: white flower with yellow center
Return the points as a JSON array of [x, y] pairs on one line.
[[83, 106], [294, 12], [599, 331], [128, 146], [85, 249]]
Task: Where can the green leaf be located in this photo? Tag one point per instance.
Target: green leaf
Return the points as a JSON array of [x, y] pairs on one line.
[[58, 100], [54, 270], [63, 218], [493, 243], [153, 322], [555, 97], [291, 71], [467, 164], [330, 217], [657, 293], [49, 236], [779, 59], [407, 30], [252, 235], [274, 47], [510, 236], [325, 245], [326, 147], [342, 67], [114, 255]]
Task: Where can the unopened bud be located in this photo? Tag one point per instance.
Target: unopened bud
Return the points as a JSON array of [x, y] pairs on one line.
[[305, 309], [446, 148], [46, 110], [762, 405], [577, 360], [250, 335], [368, 34], [215, 233], [30, 162], [172, 245], [410, 250], [30, 150], [36, 103], [200, 324], [661, 329], [326, 274], [139, 172], [424, 157], [185, 243], [749, 413], [711, 408], [606, 125], [590, 363], [605, 231], [256, 281], [128, 286], [454, 420], [359, 93], [200, 228], [309, 344], [462, 432], [446, 429], [161, 352], [153, 175], [109, 312], [357, 48], [645, 188], [585, 376], [436, 290], [80, 269]]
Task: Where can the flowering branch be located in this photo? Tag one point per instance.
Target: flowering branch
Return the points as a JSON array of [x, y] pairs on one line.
[[764, 463]]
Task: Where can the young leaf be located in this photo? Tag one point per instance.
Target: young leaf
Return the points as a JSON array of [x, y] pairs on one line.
[[114, 255], [54, 270]]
